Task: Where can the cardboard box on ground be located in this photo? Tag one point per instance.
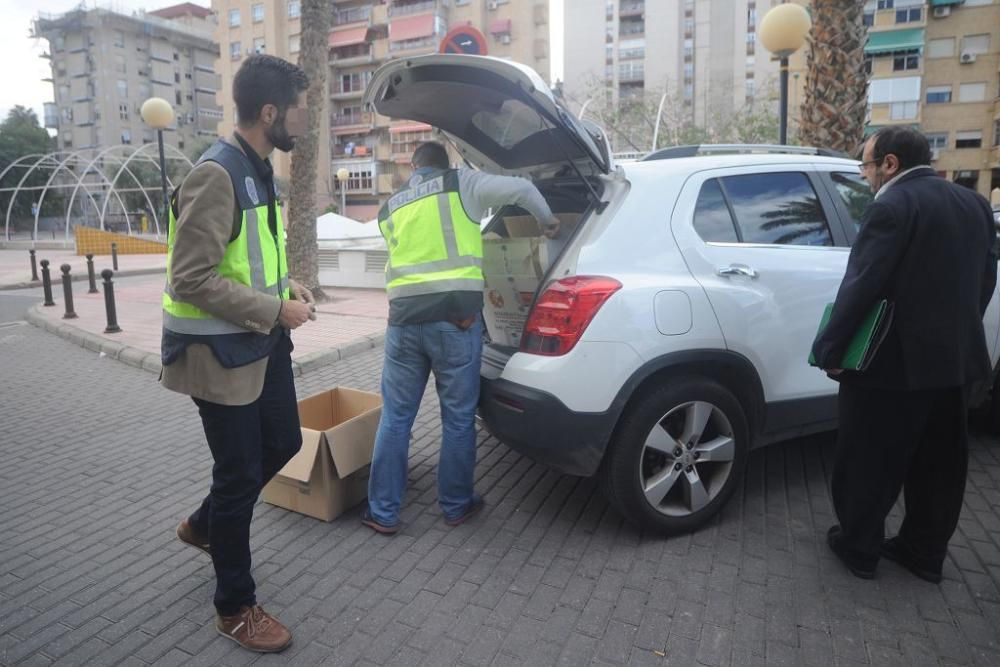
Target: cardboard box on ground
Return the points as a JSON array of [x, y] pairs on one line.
[[330, 473], [513, 267]]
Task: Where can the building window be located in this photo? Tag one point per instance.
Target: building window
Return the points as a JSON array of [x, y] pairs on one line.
[[177, 77], [354, 82], [294, 9], [938, 94], [235, 50], [119, 39], [996, 133], [122, 88], [909, 15], [905, 60], [868, 64], [884, 4], [294, 43], [126, 136], [937, 140], [972, 92], [978, 44], [750, 88], [868, 19], [120, 66], [234, 18], [941, 48], [123, 111], [258, 45], [969, 139], [177, 97], [404, 143], [257, 12], [903, 110]]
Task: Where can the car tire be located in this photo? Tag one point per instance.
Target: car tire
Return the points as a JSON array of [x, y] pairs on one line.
[[677, 456]]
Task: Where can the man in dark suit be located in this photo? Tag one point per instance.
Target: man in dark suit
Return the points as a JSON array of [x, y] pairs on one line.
[[925, 245]]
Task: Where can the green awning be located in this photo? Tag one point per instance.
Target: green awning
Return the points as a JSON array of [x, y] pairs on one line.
[[941, 3], [894, 40]]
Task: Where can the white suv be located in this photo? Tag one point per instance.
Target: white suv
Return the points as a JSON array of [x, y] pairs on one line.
[[670, 336]]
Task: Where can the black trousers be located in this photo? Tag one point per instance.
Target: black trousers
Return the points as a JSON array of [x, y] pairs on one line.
[[916, 441], [250, 443]]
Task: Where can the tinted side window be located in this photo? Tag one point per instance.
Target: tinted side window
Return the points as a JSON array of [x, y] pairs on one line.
[[777, 208], [854, 192], [711, 215]]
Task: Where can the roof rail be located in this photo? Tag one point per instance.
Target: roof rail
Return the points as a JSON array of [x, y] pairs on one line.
[[717, 149]]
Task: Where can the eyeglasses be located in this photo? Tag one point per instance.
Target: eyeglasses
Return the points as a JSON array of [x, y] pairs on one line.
[[861, 167]]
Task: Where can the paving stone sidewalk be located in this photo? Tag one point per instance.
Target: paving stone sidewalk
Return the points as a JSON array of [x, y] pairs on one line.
[[99, 464]]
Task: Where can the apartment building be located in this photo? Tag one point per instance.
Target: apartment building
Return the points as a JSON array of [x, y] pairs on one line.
[[364, 34], [105, 64], [702, 52]]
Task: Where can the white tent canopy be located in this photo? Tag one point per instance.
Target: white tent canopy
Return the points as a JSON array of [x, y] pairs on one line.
[[334, 227]]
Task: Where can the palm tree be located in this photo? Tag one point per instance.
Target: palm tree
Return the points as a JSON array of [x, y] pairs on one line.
[[313, 58], [835, 102]]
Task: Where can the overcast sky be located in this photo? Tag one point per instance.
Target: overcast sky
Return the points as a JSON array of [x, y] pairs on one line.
[[24, 70]]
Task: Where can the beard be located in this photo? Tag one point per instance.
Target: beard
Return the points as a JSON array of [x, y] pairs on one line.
[[278, 135]]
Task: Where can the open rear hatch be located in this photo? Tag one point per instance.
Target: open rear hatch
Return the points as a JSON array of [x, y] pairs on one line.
[[503, 119]]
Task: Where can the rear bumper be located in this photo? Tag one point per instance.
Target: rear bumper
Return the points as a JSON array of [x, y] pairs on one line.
[[540, 426]]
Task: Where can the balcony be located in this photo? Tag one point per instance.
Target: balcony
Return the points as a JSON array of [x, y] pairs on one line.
[[632, 30], [362, 178], [351, 124], [632, 9], [358, 54], [399, 9], [412, 47], [352, 15]]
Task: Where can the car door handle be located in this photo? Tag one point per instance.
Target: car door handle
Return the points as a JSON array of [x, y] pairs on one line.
[[737, 270]]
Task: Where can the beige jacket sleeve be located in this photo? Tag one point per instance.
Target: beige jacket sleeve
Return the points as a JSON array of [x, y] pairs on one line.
[[205, 205]]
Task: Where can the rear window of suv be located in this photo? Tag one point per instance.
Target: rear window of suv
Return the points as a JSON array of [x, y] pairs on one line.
[[776, 209]]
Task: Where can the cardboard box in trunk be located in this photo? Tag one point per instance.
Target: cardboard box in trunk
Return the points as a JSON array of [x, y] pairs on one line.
[[330, 472], [513, 267]]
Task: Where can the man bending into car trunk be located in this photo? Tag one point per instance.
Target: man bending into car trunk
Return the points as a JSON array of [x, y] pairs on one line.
[[434, 281]]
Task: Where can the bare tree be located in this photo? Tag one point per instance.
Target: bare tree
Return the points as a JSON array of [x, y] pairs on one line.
[[313, 58], [833, 109]]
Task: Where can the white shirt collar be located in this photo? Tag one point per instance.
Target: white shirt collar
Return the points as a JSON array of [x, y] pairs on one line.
[[892, 181]]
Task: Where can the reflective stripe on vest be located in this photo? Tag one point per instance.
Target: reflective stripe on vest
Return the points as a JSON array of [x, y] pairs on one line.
[[460, 267], [250, 259]]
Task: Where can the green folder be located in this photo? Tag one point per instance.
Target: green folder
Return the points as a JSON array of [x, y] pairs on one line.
[[866, 340]]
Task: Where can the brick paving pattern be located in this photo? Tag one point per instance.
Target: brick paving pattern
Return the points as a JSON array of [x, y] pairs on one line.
[[99, 464]]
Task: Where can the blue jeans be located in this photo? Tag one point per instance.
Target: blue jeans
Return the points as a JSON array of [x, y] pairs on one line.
[[412, 351]]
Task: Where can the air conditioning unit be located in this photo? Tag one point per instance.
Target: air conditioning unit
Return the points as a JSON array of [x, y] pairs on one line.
[[935, 154], [967, 57], [505, 38], [492, 5], [941, 12]]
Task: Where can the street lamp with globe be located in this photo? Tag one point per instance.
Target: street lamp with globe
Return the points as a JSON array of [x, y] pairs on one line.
[[158, 114], [342, 176], [783, 31]]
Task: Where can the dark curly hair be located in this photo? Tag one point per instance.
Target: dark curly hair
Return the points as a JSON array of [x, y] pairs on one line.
[[264, 79]]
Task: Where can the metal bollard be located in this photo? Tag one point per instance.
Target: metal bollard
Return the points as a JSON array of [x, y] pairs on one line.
[[109, 302], [67, 292], [91, 276], [114, 257], [47, 284], [34, 268]]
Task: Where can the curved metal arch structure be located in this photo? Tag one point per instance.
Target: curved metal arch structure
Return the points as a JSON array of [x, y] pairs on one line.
[[57, 165], [61, 162], [124, 167], [74, 156]]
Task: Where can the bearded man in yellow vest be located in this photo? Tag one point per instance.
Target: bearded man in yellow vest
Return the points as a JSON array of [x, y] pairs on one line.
[[228, 308], [434, 281]]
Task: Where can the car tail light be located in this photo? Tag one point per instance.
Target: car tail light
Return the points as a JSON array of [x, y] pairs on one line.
[[562, 313]]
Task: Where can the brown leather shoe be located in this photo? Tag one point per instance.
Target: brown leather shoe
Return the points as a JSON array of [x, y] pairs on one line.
[[186, 534], [254, 629]]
